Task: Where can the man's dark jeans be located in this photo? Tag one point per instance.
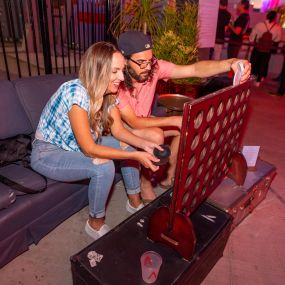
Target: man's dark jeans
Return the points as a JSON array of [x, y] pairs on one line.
[[281, 89]]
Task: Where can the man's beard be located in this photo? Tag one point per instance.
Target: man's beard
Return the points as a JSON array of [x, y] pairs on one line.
[[142, 77]]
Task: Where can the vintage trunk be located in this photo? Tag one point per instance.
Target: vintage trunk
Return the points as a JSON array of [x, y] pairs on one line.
[[122, 247], [239, 201]]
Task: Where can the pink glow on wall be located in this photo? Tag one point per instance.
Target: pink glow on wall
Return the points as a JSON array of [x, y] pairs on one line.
[[269, 4]]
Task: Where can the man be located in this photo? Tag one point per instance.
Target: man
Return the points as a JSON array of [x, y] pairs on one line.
[[136, 95], [281, 88], [224, 17], [281, 78], [238, 29]]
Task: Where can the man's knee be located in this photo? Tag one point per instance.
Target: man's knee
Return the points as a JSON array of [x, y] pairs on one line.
[[157, 135], [153, 134], [172, 133]]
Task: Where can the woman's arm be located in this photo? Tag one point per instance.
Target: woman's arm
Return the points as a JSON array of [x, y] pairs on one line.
[[122, 134], [81, 128]]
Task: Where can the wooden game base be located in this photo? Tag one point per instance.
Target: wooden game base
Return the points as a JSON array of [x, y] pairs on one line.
[[181, 236]]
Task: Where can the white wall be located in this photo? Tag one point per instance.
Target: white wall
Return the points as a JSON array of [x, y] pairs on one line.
[[207, 19]]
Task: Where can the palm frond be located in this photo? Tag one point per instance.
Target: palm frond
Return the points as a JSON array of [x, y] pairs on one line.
[[137, 14]]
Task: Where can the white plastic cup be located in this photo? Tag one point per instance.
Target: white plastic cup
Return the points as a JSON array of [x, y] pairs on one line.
[[150, 264]]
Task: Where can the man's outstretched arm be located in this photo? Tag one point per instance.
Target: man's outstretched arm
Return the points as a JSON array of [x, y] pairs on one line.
[[208, 68]]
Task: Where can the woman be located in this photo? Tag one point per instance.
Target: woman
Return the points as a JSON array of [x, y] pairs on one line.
[[260, 55], [70, 144]]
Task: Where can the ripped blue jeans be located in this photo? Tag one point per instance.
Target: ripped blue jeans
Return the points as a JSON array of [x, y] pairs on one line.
[[69, 166]]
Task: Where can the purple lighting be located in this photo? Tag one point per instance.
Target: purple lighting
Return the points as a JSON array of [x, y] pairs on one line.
[[269, 4]]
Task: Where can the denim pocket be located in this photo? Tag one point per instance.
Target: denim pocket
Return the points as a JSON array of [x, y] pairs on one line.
[[42, 148]]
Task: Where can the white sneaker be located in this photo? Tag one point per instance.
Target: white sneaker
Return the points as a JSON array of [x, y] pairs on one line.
[[96, 234], [132, 209]]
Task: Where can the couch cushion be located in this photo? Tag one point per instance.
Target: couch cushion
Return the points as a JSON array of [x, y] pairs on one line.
[[32, 216], [13, 119], [28, 208], [34, 92], [23, 176]]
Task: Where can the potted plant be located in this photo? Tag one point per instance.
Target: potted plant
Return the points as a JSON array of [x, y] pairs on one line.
[[177, 41], [141, 15]]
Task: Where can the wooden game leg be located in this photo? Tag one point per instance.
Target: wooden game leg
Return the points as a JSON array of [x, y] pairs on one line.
[[180, 236], [237, 168]]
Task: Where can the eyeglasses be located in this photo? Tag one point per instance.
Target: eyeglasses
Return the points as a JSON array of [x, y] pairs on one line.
[[143, 64]]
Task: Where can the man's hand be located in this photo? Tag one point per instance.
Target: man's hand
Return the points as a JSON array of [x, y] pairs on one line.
[[150, 146], [246, 71]]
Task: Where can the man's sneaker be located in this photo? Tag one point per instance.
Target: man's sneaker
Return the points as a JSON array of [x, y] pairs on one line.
[[132, 209], [96, 234]]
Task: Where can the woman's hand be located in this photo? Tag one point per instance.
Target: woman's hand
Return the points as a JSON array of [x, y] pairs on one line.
[[246, 71], [146, 159]]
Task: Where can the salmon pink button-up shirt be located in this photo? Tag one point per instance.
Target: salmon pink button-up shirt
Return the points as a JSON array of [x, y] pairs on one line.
[[141, 103]]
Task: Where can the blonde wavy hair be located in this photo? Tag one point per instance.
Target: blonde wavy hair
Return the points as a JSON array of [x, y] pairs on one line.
[[94, 74]]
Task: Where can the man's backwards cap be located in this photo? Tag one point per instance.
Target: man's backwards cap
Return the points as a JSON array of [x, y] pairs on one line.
[[133, 41]]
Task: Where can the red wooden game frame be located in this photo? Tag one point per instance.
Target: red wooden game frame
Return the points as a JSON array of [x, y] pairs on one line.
[[210, 141]]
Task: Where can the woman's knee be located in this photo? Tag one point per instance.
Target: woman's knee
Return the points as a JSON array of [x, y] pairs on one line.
[[99, 161], [104, 167]]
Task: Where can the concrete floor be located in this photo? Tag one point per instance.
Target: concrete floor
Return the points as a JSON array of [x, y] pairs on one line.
[[254, 254]]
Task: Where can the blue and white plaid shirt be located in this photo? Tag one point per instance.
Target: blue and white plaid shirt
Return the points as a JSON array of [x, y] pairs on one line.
[[54, 125]]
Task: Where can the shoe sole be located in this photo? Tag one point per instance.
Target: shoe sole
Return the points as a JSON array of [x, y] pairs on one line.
[[131, 209]]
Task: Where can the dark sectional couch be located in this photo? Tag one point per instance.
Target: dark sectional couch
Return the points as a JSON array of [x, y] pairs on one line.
[[32, 216]]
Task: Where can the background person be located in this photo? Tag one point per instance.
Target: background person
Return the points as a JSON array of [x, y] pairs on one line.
[[238, 28], [70, 144], [224, 17], [260, 57], [281, 88], [136, 94], [281, 78]]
